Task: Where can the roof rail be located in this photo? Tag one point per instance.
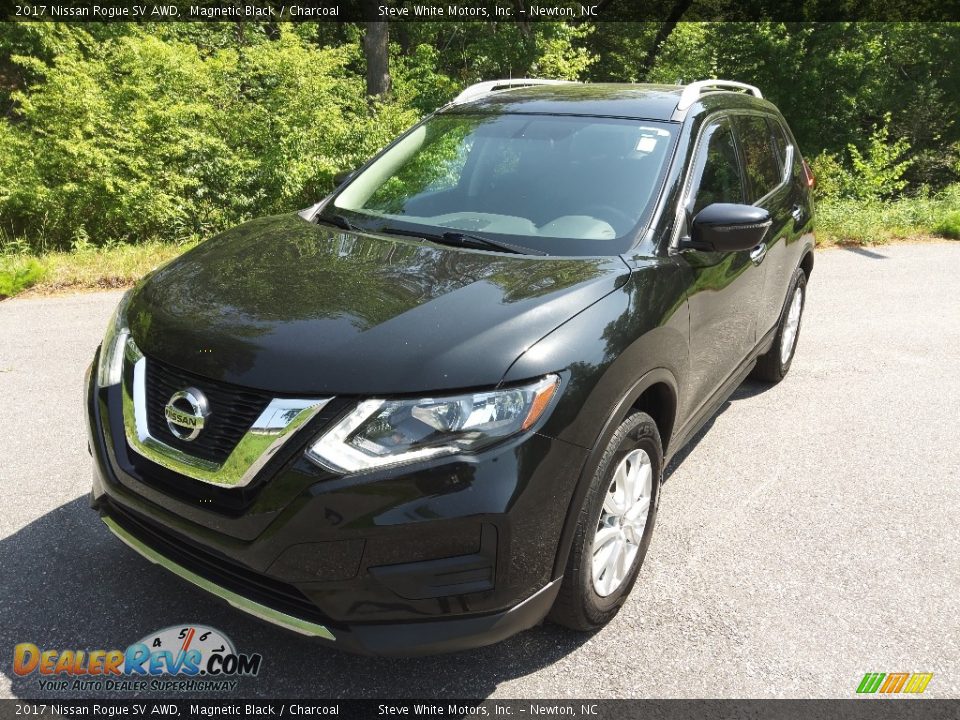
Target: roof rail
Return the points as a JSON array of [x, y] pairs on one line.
[[485, 88], [695, 90]]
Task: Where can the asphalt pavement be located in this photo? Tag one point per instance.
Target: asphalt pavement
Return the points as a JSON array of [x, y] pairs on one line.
[[810, 533]]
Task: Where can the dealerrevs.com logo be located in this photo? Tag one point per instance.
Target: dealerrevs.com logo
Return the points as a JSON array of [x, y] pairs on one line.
[[185, 658]]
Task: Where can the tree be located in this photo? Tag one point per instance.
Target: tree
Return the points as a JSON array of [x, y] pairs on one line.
[[663, 34], [376, 50]]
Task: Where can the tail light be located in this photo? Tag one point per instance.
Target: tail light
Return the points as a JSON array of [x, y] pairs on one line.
[[808, 173]]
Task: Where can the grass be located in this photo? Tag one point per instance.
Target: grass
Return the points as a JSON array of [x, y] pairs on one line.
[[869, 222], [89, 268], [949, 226], [18, 274]]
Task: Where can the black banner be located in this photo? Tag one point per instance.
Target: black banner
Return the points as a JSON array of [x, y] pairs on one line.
[[594, 11], [852, 709]]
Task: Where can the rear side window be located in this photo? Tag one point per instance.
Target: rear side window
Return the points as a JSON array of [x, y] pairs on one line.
[[759, 156], [780, 143], [720, 180]]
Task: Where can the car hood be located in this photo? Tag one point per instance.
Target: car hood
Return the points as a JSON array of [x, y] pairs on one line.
[[285, 305]]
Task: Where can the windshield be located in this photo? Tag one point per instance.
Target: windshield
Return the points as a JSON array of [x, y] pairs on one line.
[[557, 184]]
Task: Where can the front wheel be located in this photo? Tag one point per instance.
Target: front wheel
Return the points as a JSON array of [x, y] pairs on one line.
[[614, 527], [773, 366]]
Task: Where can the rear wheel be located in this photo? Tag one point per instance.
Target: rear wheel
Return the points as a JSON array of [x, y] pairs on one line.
[[775, 363], [614, 528]]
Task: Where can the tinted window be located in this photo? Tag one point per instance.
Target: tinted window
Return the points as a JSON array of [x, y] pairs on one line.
[[780, 142], [720, 181], [759, 158]]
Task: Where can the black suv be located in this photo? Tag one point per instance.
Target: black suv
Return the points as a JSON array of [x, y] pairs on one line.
[[435, 408]]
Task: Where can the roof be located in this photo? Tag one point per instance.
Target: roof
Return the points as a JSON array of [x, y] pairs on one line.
[[646, 102]]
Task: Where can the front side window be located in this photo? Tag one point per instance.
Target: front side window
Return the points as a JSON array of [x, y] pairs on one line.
[[759, 156], [720, 178], [558, 184]]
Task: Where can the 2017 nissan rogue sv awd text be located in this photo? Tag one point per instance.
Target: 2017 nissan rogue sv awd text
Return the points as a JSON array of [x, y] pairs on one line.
[[435, 408]]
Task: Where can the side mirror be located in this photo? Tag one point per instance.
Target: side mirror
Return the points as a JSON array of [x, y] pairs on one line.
[[726, 227], [341, 177]]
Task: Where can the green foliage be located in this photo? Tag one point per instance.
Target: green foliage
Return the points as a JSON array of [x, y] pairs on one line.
[[949, 226], [467, 52], [686, 56], [833, 81], [832, 179], [560, 52], [418, 82], [849, 220], [878, 172], [142, 137], [17, 274]]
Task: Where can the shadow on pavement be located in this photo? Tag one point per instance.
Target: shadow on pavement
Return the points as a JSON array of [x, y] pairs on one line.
[[69, 584], [864, 252], [747, 389]]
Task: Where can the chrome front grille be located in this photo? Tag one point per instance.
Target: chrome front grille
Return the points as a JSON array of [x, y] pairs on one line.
[[233, 410], [250, 429]]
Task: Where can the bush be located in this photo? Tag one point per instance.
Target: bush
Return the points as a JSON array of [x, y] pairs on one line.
[[140, 137], [878, 172], [875, 173], [17, 274], [847, 220], [949, 226], [832, 179]]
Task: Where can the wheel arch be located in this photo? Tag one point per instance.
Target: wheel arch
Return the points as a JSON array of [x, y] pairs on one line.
[[806, 263], [659, 401], [655, 393]]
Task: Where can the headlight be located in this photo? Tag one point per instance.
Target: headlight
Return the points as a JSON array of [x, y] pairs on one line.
[[378, 433], [110, 367]]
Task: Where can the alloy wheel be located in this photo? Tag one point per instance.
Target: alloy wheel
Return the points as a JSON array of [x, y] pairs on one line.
[[791, 327], [623, 519]]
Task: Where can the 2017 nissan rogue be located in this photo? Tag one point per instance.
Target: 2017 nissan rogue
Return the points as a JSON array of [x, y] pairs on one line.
[[435, 408]]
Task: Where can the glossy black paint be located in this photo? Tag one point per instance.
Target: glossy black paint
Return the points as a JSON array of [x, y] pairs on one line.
[[294, 308], [286, 305], [726, 227], [334, 538]]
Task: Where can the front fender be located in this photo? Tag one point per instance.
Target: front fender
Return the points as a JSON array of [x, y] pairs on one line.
[[608, 347], [614, 350]]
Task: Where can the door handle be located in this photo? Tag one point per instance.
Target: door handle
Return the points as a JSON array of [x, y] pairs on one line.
[[758, 253], [797, 213]]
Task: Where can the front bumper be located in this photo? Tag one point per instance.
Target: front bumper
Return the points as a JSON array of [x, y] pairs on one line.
[[428, 559]]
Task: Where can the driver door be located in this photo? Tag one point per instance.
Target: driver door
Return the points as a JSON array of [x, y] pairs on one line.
[[724, 289]]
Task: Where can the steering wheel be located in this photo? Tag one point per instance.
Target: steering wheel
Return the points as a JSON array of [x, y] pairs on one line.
[[610, 214]]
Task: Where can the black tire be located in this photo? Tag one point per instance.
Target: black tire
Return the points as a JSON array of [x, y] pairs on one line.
[[578, 605], [770, 366]]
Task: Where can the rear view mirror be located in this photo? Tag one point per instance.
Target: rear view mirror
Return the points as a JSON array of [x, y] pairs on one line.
[[726, 227]]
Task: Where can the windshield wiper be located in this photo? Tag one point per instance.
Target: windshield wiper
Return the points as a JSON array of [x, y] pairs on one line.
[[462, 239], [465, 238], [336, 220]]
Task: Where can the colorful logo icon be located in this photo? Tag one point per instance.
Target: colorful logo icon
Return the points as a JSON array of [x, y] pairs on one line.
[[892, 683], [187, 650]]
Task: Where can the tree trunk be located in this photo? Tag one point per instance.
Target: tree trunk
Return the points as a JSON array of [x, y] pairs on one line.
[[663, 34], [376, 49]]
